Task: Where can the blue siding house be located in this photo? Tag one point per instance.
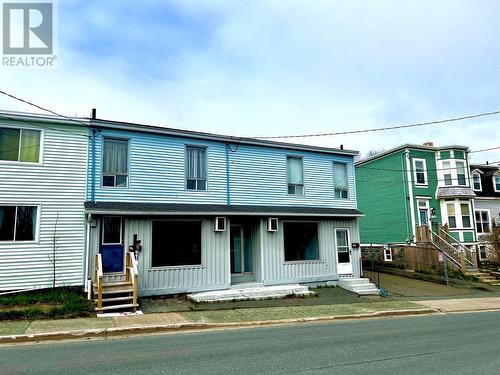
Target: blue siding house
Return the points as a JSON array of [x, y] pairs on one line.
[[203, 211]]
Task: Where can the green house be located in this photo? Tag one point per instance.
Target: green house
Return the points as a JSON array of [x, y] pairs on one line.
[[415, 185]]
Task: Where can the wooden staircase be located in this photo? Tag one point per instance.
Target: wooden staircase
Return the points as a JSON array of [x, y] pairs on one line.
[[116, 296]]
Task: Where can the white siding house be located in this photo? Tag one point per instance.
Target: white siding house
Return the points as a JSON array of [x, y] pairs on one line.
[[43, 164]]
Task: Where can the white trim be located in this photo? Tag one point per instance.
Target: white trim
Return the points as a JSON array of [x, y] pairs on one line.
[[346, 265], [426, 181], [387, 258], [425, 200], [475, 173], [410, 194], [495, 175], [488, 211], [215, 213]]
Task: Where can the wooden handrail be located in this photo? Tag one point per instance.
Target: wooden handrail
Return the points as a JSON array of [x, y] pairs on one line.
[[132, 275], [98, 280]]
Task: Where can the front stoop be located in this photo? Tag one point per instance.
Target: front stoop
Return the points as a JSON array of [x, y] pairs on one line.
[[360, 286], [251, 291]]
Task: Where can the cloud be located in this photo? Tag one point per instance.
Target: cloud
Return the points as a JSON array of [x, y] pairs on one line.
[[279, 67]]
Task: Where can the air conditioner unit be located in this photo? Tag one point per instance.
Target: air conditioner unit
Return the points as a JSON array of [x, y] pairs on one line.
[[220, 224], [272, 224]]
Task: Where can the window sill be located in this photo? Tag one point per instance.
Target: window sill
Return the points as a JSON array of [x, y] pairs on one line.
[[26, 163], [294, 262], [422, 185], [173, 268]]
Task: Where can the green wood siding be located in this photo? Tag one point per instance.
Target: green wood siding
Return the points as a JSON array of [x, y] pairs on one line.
[[381, 197]]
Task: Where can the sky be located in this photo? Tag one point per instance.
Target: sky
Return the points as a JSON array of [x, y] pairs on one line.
[[266, 68]]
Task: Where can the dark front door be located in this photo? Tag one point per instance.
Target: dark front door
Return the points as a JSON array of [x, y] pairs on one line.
[[111, 248]]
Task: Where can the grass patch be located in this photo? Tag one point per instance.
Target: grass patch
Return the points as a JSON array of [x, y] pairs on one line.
[[277, 313], [45, 304]]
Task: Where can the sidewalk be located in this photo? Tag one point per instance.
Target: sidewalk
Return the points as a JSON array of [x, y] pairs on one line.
[[102, 328]]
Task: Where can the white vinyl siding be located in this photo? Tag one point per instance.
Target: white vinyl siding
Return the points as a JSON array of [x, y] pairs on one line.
[[56, 186]]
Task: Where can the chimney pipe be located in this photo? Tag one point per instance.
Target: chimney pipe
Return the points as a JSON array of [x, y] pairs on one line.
[[94, 113], [341, 147]]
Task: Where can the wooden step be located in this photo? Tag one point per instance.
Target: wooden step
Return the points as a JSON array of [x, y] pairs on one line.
[[118, 307], [114, 299]]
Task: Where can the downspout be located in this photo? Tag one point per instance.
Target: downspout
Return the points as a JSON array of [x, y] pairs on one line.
[[87, 255], [92, 177], [228, 184]]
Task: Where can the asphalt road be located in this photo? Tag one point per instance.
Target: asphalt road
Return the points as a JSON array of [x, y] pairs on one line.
[[444, 344]]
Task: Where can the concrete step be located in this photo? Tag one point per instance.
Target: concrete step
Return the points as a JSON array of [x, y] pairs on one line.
[[251, 292], [360, 286]]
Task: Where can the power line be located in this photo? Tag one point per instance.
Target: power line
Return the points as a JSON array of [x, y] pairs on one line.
[[485, 149], [453, 119], [40, 107]]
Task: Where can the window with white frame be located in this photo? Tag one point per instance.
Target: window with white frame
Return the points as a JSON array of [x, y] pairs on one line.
[[452, 220], [196, 168], [465, 211], [476, 181], [482, 221], [420, 171], [340, 181], [295, 175], [20, 145], [482, 252], [461, 173], [496, 182], [448, 180], [18, 223], [115, 162], [387, 254]]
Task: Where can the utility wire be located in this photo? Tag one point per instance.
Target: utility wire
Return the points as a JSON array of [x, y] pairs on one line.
[[453, 119]]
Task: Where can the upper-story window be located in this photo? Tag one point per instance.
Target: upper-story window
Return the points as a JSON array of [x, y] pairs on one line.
[[340, 180], [476, 181], [196, 168], [18, 223], [295, 172], [20, 145], [496, 182], [115, 163], [447, 173], [483, 221], [420, 168], [461, 174]]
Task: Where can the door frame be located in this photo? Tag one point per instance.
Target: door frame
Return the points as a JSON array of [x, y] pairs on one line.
[[346, 267], [240, 276], [102, 244]]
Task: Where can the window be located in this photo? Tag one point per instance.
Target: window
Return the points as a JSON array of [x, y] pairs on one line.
[[20, 145], [295, 172], [447, 173], [111, 230], [387, 254], [464, 209], [340, 180], [482, 252], [420, 169], [476, 181], [452, 220], [482, 221], [115, 163], [196, 168], [176, 243], [461, 173], [496, 183], [301, 241], [18, 223], [342, 242]]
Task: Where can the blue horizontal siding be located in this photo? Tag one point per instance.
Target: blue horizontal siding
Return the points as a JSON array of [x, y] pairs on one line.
[[258, 174]]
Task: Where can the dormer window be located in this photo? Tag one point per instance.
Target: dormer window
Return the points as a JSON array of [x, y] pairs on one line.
[[476, 181], [496, 182]]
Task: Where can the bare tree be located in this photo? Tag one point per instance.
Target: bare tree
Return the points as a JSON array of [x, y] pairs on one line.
[[53, 255], [372, 153]]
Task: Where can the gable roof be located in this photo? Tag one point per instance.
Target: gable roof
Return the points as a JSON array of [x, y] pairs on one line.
[[412, 146]]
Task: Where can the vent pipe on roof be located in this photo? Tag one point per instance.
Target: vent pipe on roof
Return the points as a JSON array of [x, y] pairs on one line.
[[94, 113], [429, 144], [341, 147]]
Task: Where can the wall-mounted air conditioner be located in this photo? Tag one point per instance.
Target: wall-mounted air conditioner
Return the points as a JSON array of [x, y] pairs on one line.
[[220, 224], [272, 224]]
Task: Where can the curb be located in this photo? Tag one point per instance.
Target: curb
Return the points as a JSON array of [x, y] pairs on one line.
[[105, 333]]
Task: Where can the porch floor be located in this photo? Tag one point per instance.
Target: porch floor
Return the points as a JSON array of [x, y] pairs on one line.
[[251, 291]]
